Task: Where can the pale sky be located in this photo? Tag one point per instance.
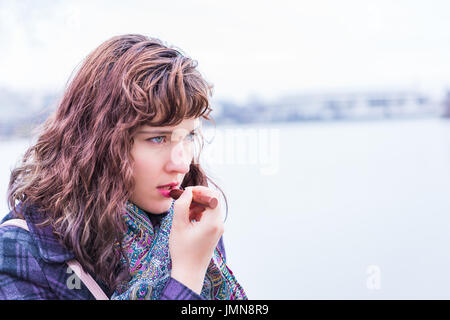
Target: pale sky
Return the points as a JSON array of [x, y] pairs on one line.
[[245, 48]]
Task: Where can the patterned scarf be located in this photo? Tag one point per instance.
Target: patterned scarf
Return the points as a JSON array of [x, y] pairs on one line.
[[147, 249]]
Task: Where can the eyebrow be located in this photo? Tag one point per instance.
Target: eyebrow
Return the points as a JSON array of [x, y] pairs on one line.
[[158, 131]]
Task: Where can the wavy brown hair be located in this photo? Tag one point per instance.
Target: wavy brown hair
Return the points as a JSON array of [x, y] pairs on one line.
[[79, 172]]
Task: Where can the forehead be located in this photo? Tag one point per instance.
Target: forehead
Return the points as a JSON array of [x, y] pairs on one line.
[[186, 124]]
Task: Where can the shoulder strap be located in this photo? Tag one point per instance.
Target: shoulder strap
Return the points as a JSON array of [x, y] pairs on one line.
[[88, 281], [17, 223]]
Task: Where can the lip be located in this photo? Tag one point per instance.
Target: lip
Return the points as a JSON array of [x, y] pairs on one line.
[[166, 192], [173, 184]]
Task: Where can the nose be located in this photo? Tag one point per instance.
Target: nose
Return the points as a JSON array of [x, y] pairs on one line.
[[179, 159]]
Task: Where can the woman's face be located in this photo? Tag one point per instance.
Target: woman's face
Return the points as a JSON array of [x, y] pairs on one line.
[[162, 155]]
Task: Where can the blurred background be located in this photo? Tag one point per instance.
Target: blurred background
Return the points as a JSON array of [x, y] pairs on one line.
[[332, 136]]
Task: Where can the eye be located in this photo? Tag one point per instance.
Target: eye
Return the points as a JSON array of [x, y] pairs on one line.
[[156, 139]]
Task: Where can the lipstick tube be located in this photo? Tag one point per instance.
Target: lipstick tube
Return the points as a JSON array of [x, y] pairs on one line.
[[202, 201]]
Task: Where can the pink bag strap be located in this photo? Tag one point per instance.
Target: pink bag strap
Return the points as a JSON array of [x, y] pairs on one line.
[[88, 281], [17, 223], [85, 277]]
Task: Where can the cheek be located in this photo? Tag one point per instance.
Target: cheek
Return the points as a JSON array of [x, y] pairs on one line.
[[146, 167]]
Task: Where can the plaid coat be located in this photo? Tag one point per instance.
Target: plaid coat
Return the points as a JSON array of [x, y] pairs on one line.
[[33, 266]]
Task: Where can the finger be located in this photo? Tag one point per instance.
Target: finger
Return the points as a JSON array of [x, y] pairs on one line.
[[181, 207], [202, 190], [211, 217]]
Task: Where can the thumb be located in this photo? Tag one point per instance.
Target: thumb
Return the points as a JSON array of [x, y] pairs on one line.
[[181, 207]]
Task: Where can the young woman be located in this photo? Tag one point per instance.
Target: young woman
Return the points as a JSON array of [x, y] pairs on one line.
[[91, 188]]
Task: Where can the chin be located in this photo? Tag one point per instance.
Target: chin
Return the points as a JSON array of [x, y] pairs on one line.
[[163, 207]]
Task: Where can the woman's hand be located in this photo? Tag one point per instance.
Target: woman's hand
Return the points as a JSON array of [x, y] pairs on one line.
[[191, 244]]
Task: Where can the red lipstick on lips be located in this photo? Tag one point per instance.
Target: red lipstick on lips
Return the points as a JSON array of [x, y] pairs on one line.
[[166, 191]]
